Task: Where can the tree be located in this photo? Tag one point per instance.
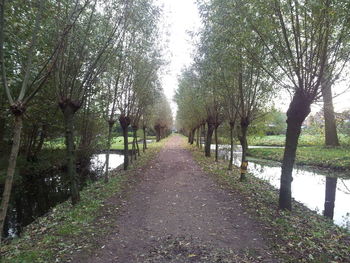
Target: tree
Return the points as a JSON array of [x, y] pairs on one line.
[[31, 75], [308, 41], [82, 61]]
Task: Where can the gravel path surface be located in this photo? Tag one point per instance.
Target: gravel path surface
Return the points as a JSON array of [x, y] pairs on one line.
[[178, 213]]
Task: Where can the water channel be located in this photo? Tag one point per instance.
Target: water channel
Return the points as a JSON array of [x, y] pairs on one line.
[[308, 186], [36, 194]]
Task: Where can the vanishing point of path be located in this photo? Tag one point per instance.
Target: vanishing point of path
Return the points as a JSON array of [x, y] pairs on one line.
[[178, 213]]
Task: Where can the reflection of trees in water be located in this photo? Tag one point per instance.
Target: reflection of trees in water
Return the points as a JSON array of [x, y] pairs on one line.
[[345, 186], [331, 186], [36, 194]]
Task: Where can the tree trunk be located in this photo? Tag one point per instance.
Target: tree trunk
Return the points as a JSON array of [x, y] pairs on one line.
[[331, 136], [109, 138], [201, 129], [331, 186], [208, 140], [124, 123], [231, 148], [144, 139], [298, 110], [137, 145], [68, 113], [192, 134], [198, 136], [243, 140], [133, 151], [17, 129], [216, 144], [41, 141], [157, 129]]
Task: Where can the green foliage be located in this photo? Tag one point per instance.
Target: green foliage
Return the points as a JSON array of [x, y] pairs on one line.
[[335, 158], [305, 139]]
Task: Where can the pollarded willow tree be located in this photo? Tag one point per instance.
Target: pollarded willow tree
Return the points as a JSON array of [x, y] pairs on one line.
[[141, 63], [29, 52], [82, 61], [162, 117], [244, 86], [309, 41], [191, 112], [231, 85]]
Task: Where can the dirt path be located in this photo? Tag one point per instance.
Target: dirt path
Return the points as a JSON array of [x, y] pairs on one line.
[[177, 213]]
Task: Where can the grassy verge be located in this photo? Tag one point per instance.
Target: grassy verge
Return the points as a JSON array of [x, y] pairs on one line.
[[118, 142], [334, 158], [297, 236], [67, 229], [304, 140]]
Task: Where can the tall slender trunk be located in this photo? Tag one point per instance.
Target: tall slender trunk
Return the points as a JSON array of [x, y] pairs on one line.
[[41, 141], [17, 129], [331, 186], [216, 143], [133, 151], [192, 134], [208, 139], [157, 129], [198, 136], [136, 150], [144, 139], [109, 138], [244, 144], [124, 123], [331, 135], [204, 136], [2, 129], [298, 110], [68, 114], [231, 146]]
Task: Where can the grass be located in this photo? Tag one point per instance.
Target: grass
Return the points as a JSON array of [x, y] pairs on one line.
[[334, 158], [298, 236], [67, 229], [304, 140]]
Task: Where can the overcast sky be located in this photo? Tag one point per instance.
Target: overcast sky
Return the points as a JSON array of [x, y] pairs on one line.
[[180, 17]]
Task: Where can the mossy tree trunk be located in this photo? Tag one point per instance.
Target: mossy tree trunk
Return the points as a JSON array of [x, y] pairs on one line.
[[210, 131], [69, 108], [243, 140], [124, 123], [331, 135], [298, 110], [18, 112], [232, 125], [144, 147], [109, 138]]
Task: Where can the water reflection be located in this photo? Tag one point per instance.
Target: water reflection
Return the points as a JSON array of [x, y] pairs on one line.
[[98, 161], [308, 187], [37, 193]]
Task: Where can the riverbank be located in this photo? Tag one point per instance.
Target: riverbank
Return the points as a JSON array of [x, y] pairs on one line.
[[304, 140], [319, 156], [297, 236], [67, 229]]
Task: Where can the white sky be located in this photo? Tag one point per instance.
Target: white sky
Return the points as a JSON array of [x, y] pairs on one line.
[[180, 17]]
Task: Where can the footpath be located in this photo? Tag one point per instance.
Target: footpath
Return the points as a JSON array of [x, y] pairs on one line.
[[178, 213]]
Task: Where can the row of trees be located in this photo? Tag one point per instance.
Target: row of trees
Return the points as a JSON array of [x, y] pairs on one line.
[[96, 62], [249, 51]]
